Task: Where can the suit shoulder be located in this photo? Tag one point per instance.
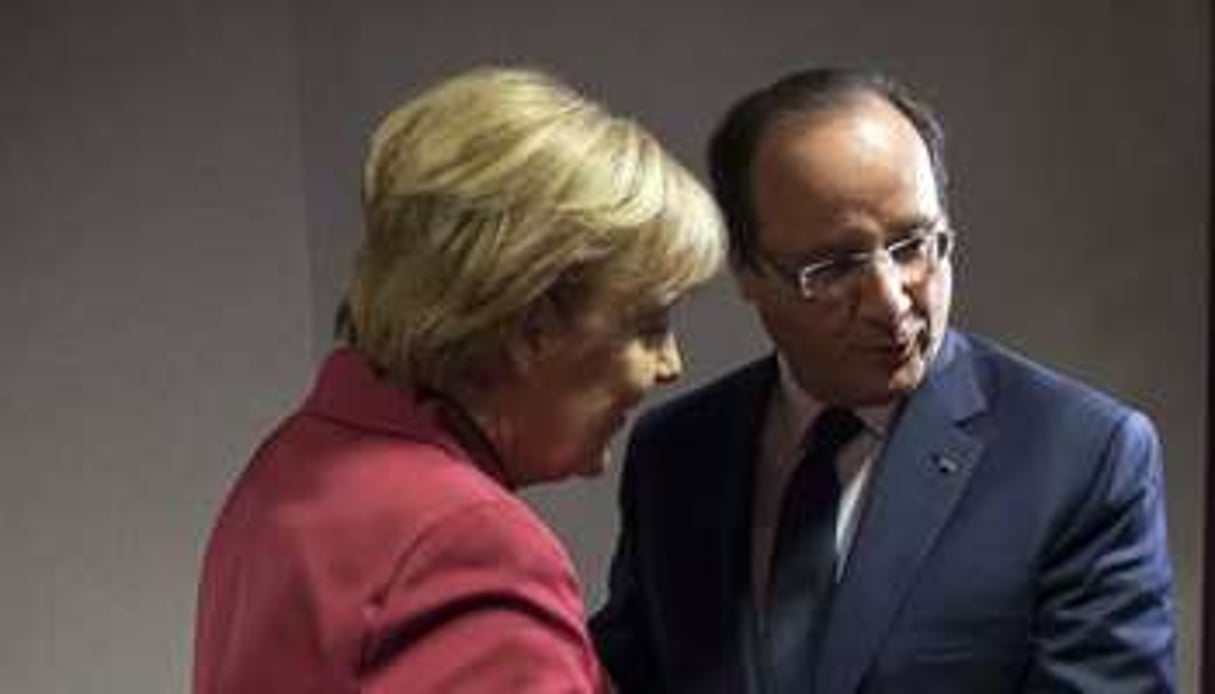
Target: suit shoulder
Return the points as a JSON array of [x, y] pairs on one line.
[[708, 402], [1012, 375]]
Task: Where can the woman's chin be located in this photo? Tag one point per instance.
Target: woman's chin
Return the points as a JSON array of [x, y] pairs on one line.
[[596, 465]]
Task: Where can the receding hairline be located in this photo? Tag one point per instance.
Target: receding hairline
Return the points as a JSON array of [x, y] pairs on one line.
[[850, 101]]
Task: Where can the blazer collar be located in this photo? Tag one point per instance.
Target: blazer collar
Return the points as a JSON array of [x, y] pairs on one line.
[[349, 391]]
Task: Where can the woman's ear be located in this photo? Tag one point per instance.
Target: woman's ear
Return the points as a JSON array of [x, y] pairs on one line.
[[539, 332]]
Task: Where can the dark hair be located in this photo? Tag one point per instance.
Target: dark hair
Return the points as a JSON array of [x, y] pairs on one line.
[[732, 146]]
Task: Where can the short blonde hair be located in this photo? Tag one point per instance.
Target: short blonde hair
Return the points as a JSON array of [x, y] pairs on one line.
[[501, 189]]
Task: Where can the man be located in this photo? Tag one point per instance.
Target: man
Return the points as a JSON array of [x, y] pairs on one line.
[[977, 524]]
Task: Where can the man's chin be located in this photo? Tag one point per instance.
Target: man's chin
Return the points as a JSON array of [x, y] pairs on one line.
[[896, 385], [908, 376]]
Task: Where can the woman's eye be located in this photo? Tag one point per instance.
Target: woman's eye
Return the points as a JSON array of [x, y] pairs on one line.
[[654, 328], [658, 329]]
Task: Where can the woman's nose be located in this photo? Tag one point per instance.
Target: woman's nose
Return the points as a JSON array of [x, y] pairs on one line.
[[670, 361]]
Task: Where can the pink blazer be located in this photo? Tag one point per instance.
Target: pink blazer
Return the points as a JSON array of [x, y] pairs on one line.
[[363, 550]]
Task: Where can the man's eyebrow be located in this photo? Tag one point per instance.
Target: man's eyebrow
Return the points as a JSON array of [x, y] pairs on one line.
[[913, 226], [925, 223]]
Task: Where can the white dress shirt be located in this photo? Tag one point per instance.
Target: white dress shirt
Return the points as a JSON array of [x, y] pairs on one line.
[[790, 412]]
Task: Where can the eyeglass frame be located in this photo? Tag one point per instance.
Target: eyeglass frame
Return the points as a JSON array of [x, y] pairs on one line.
[[857, 261]]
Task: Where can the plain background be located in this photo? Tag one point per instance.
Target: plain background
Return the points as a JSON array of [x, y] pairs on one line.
[[178, 187]]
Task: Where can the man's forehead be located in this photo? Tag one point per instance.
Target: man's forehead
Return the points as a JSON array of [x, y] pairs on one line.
[[865, 120], [856, 175]]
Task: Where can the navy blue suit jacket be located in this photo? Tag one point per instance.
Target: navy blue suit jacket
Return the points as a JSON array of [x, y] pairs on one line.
[[1013, 540]]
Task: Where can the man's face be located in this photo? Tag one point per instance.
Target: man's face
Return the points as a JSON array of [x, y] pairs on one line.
[[853, 179]]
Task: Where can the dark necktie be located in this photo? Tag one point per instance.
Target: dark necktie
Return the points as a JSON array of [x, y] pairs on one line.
[[804, 555]]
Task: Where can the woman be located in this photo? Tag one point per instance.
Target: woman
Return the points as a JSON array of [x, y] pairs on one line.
[[508, 310]]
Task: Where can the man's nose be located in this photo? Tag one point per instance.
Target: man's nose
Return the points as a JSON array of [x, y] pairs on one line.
[[884, 293]]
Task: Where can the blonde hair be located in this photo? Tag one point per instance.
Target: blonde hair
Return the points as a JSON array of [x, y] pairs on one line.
[[502, 189]]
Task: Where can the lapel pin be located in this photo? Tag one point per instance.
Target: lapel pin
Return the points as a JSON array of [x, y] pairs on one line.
[[946, 466]]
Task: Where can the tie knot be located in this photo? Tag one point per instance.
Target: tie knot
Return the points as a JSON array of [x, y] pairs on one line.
[[832, 430]]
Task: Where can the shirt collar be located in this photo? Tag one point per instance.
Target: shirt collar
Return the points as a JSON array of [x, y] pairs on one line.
[[800, 408]]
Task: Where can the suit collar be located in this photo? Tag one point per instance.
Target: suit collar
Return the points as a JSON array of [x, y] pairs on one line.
[[953, 382], [911, 497], [709, 543], [738, 433], [922, 473]]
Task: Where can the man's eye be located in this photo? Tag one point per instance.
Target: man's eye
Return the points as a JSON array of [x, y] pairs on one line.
[[909, 250], [839, 268]]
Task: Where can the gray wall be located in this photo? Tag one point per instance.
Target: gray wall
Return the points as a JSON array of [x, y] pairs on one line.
[[1078, 145], [178, 186], [156, 317]]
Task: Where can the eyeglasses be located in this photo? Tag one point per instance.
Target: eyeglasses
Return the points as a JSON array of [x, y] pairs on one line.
[[913, 257]]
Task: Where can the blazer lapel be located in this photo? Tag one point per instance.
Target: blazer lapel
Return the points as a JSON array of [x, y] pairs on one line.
[[923, 471]]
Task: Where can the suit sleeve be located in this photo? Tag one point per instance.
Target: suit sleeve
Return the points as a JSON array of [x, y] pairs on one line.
[[485, 601], [1104, 620], [621, 628]]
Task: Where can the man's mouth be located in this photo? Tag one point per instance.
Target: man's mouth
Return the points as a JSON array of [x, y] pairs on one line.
[[901, 345]]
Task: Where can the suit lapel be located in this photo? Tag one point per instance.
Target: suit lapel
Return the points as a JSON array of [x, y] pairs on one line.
[[923, 471], [731, 435]]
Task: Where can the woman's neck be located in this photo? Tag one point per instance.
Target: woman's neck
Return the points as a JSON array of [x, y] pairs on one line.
[[471, 418]]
